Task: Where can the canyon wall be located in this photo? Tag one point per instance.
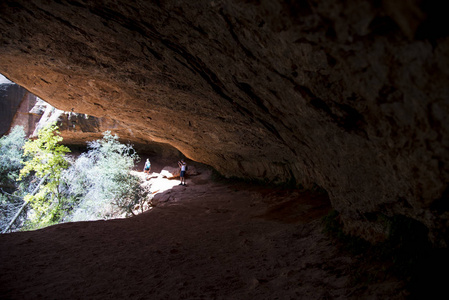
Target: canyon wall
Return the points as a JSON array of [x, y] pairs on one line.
[[77, 128], [11, 96], [21, 108], [349, 95]]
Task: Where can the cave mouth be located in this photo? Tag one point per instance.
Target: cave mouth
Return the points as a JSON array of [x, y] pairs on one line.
[[349, 95], [76, 132]]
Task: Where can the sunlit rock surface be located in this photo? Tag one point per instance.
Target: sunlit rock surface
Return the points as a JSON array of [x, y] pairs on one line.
[[22, 108], [352, 96], [77, 128]]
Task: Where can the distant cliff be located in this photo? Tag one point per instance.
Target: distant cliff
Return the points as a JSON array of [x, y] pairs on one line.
[[20, 107], [11, 98]]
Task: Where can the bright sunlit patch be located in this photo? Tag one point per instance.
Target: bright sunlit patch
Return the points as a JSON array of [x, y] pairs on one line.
[[4, 80], [156, 183]]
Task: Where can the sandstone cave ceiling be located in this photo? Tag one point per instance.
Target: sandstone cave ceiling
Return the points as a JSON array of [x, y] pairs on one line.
[[350, 95]]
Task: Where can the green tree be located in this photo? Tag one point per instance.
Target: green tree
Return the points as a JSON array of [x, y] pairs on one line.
[[101, 181], [47, 158]]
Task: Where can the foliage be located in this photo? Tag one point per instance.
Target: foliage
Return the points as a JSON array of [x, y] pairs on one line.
[[47, 157], [98, 184], [9, 205], [11, 196], [101, 182], [11, 156]]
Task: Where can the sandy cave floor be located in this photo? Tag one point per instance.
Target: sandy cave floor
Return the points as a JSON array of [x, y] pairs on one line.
[[210, 240]]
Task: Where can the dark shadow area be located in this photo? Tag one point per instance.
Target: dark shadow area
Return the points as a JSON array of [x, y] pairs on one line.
[[407, 254], [429, 279]]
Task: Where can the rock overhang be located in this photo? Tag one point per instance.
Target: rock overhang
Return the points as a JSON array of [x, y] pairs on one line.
[[350, 96]]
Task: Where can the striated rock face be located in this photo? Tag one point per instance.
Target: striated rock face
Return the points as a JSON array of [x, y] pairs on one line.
[[22, 108], [76, 128], [11, 96], [26, 116], [350, 95]]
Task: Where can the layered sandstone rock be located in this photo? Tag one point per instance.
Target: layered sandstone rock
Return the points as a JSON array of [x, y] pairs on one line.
[[76, 128], [350, 95], [11, 96], [22, 108]]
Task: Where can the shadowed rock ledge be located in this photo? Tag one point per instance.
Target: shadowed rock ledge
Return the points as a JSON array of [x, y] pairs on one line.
[[351, 96]]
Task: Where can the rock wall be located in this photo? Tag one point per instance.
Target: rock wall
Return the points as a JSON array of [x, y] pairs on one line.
[[11, 96], [25, 115], [77, 128], [350, 95], [22, 108]]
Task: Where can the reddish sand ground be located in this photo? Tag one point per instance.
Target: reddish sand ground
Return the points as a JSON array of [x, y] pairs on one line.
[[208, 241]]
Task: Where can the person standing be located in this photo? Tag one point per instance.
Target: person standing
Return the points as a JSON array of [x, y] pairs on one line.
[[183, 166], [147, 168]]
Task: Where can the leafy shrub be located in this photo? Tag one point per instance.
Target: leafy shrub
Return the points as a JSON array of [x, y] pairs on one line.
[[11, 157], [101, 182], [96, 185], [11, 192]]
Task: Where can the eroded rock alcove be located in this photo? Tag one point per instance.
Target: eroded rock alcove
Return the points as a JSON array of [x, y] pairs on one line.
[[351, 96]]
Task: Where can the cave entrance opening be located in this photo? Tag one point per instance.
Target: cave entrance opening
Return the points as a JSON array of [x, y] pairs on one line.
[[78, 129]]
